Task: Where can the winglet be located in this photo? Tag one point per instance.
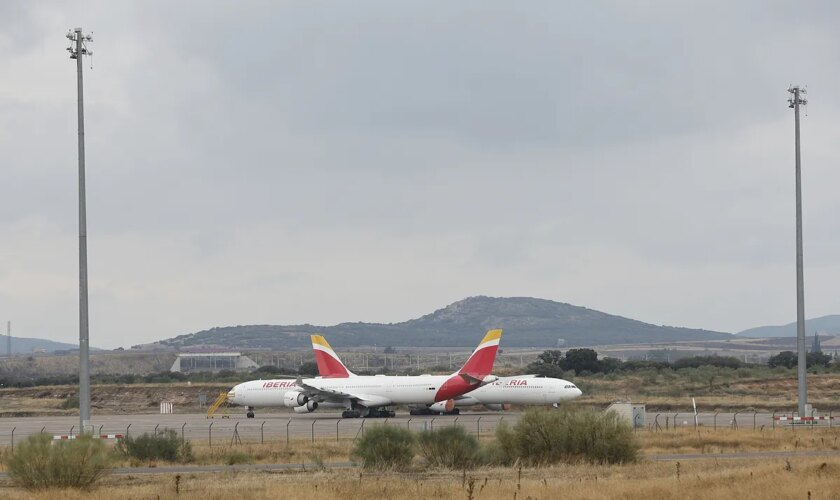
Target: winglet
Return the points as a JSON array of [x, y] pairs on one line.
[[329, 365], [480, 364]]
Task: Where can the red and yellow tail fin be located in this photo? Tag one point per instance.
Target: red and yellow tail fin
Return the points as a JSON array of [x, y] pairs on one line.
[[481, 361], [329, 365], [476, 372]]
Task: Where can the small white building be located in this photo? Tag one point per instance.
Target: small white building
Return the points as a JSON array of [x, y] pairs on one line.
[[633, 414]]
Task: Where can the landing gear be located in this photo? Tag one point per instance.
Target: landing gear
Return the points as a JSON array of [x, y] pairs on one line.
[[369, 413], [381, 413], [428, 411], [249, 413]]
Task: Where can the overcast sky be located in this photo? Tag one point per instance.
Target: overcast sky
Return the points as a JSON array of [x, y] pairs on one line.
[[291, 162]]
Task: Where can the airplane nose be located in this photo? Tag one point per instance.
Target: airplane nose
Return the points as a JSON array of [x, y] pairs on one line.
[[578, 393]]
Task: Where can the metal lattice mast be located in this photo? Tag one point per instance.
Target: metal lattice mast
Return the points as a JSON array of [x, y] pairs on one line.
[[795, 101], [78, 49]]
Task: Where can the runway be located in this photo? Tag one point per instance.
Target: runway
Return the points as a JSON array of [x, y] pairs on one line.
[[282, 426], [270, 427]]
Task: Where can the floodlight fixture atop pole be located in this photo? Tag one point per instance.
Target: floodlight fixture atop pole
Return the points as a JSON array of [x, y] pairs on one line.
[[795, 101], [78, 49]]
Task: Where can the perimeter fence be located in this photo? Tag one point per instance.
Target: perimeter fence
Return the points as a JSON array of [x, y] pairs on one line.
[[284, 429]]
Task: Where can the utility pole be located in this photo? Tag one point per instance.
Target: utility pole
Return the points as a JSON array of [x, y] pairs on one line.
[[9, 339], [78, 49], [794, 102]]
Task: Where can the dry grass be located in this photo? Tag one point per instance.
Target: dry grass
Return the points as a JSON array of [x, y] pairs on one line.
[[705, 440], [768, 479], [301, 451], [686, 440], [763, 390]]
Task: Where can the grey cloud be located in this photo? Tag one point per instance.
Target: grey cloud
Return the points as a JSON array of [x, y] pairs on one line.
[[400, 155]]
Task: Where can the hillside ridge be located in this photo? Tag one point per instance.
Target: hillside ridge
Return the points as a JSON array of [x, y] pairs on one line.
[[527, 321], [829, 325]]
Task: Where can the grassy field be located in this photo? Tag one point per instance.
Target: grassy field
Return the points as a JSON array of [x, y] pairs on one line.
[[749, 388], [686, 440], [713, 478], [726, 390], [713, 388], [766, 479], [703, 440]]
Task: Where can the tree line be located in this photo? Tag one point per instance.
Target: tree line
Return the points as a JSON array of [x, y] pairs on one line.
[[554, 363]]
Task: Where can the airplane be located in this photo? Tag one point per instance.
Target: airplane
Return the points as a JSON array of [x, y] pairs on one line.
[[367, 395], [498, 395]]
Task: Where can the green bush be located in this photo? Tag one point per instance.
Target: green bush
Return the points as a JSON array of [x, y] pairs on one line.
[[166, 445], [568, 435], [385, 447], [40, 463], [449, 447]]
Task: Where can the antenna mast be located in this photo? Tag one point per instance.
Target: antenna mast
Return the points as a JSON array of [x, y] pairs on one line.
[[78, 49], [794, 102]]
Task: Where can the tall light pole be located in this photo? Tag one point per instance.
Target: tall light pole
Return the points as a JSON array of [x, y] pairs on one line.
[[78, 49], [795, 101]]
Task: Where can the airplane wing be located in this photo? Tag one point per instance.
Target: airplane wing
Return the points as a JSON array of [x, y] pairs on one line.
[[368, 400]]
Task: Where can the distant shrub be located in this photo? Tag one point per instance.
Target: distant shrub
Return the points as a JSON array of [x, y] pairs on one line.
[[698, 361], [238, 457], [39, 463], [385, 447], [166, 445], [269, 369], [449, 447], [568, 435], [634, 365], [308, 368], [70, 403]]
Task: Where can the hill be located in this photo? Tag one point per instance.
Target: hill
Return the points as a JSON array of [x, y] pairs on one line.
[[829, 325], [528, 322], [22, 345]]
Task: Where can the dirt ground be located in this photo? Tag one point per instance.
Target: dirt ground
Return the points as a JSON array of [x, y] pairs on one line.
[[105, 399]]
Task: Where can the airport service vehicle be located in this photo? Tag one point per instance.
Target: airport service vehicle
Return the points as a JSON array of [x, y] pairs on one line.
[[498, 395], [368, 395]]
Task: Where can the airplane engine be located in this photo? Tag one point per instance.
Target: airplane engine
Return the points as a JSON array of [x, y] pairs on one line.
[[498, 407], [443, 406], [309, 407], [293, 399]]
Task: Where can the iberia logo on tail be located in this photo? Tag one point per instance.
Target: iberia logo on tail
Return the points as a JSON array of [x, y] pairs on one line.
[[476, 371], [329, 365], [481, 361]]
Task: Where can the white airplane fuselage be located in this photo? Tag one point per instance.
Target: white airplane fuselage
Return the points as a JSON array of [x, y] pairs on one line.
[[374, 391], [524, 390]]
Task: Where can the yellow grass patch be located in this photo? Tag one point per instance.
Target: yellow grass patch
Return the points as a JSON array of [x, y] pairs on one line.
[[766, 479]]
